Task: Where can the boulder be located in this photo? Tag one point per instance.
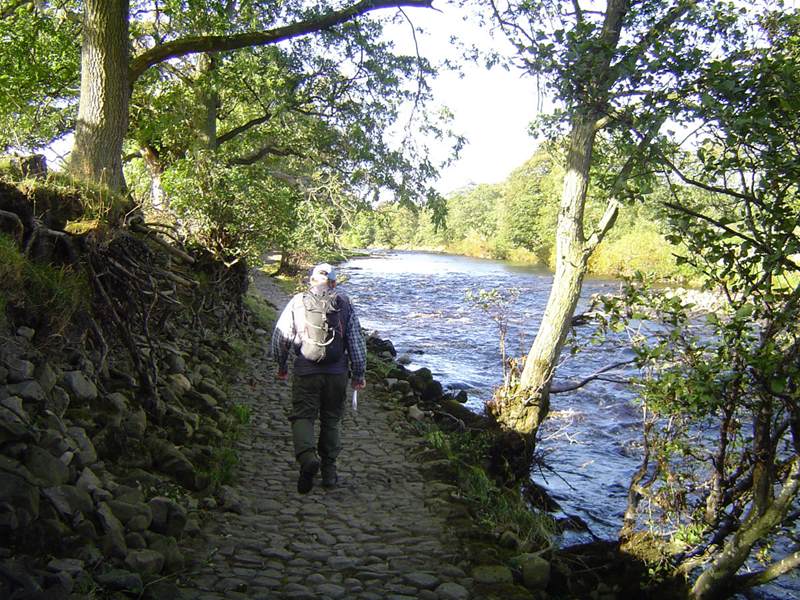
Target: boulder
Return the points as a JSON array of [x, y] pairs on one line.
[[13, 419], [206, 386], [120, 580], [171, 461], [49, 469], [167, 546], [146, 562], [19, 498], [19, 369], [379, 346], [135, 516], [114, 539], [179, 383], [29, 391], [134, 423], [535, 571], [135, 541], [169, 517], [79, 385], [58, 401], [47, 376], [69, 500], [492, 574], [86, 453]]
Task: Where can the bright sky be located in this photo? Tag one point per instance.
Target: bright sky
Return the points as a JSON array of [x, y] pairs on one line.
[[492, 108]]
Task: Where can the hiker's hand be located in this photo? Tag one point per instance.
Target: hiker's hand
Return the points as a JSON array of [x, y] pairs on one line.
[[359, 384], [282, 375]]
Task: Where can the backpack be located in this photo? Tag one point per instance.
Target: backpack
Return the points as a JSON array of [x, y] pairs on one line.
[[322, 340]]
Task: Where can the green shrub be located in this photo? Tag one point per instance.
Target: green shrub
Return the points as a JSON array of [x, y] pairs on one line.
[[263, 313]]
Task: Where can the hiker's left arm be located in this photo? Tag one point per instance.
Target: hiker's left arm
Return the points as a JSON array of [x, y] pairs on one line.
[[282, 339], [357, 350]]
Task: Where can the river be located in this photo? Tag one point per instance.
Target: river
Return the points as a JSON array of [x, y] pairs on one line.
[[592, 440]]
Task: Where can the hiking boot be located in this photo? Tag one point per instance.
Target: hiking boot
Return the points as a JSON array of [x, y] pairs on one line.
[[329, 476], [306, 479]]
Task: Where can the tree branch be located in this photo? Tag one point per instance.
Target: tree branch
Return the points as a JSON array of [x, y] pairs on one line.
[[776, 569], [11, 8], [229, 135], [647, 40], [217, 43], [596, 375], [786, 261], [257, 155]]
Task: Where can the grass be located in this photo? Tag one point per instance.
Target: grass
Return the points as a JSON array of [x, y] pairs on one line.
[[262, 312], [495, 508], [51, 295]]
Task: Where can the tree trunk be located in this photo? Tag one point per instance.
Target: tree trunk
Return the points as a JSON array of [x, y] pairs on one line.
[[718, 579], [528, 408], [103, 108]]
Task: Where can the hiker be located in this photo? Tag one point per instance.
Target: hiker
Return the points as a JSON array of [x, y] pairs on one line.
[[322, 328]]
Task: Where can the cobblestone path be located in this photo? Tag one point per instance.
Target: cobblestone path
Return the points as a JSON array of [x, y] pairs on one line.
[[380, 534]]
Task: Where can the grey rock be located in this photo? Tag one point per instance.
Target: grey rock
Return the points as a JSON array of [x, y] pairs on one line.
[[26, 333], [19, 498], [230, 500], [176, 363], [46, 467], [73, 566], [29, 391], [168, 459], [167, 546], [135, 516], [452, 591], [535, 571], [87, 455], [331, 590], [509, 539], [114, 541], [69, 500], [492, 574], [58, 401], [424, 581], [206, 386], [134, 423], [79, 385], [88, 481], [169, 517], [122, 581], [19, 369], [179, 383], [13, 418], [135, 541], [145, 562], [47, 376], [116, 402]]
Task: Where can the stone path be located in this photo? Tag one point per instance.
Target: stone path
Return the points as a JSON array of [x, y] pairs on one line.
[[380, 534]]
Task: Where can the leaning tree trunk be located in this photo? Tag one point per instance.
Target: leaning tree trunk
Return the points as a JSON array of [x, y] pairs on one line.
[[103, 108], [527, 408]]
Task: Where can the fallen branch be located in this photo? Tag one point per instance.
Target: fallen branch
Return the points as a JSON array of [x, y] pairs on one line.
[[596, 375]]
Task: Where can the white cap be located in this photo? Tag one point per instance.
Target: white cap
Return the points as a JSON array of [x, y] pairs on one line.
[[323, 272]]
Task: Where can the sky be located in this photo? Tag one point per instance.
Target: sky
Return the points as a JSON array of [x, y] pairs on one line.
[[492, 108]]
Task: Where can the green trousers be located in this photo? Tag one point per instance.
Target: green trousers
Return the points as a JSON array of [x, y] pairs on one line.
[[312, 396]]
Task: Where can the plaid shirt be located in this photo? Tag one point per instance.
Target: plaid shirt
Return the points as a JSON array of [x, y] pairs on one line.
[[287, 335]]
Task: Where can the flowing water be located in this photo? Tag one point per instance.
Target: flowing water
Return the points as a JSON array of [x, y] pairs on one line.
[[418, 300]]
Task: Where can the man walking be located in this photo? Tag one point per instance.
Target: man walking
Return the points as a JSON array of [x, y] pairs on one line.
[[322, 328]]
